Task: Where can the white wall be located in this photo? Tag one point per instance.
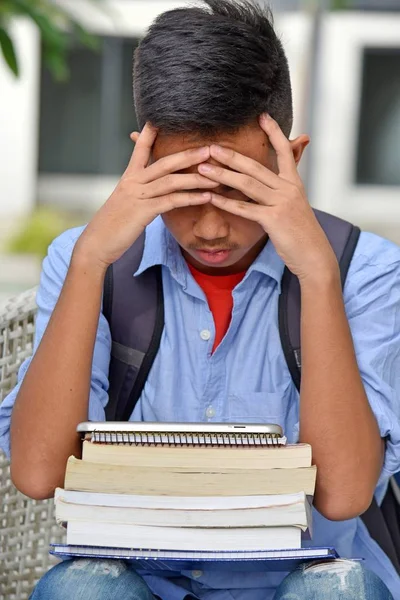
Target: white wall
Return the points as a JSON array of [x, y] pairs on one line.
[[333, 189], [295, 31], [19, 101], [119, 17]]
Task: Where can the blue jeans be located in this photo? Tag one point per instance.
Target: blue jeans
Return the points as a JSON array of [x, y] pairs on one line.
[[107, 580]]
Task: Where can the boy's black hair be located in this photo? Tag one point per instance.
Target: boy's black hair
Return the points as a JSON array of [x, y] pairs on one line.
[[211, 68]]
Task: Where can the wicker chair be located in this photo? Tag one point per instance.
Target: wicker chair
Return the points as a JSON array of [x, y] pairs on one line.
[[27, 526]]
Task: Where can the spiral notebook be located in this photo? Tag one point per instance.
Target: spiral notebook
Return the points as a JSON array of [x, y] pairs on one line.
[[159, 560], [181, 434]]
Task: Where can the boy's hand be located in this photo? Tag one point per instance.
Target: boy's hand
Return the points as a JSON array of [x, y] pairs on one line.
[[279, 204], [144, 192]]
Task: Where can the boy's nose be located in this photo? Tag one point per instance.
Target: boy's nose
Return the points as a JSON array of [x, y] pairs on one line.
[[210, 223]]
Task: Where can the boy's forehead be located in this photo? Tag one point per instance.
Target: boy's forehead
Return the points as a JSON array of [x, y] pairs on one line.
[[249, 140]]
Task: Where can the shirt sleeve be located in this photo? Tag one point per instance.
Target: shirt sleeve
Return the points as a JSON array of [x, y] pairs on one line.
[[54, 270], [372, 301]]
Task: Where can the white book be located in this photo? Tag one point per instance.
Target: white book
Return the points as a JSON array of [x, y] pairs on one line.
[[84, 476], [164, 511], [120, 535]]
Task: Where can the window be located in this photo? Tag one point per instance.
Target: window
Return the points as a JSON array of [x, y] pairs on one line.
[[378, 158], [374, 5], [85, 122]]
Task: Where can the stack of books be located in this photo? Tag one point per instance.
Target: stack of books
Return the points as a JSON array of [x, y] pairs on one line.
[[187, 491]]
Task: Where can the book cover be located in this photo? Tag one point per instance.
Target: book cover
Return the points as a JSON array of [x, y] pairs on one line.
[[156, 560]]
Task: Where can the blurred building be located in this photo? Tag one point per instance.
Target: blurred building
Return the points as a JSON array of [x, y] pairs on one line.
[[67, 144]]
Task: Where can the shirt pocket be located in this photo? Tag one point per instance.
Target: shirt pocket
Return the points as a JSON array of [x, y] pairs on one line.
[[258, 407]]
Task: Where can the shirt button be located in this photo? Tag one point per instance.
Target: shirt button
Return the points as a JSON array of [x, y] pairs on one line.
[[210, 412], [205, 335], [197, 574]]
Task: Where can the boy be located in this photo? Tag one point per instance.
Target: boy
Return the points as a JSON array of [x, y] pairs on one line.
[[212, 93]]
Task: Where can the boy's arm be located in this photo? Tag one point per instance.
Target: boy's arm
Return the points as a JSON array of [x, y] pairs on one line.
[[336, 417], [54, 394]]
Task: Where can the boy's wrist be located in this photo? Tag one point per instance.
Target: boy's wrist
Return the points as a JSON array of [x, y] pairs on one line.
[[320, 280], [87, 264]]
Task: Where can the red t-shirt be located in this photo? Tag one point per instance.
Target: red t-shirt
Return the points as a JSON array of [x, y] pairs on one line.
[[218, 290]]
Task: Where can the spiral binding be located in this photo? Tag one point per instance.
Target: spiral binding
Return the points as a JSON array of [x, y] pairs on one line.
[[186, 439]]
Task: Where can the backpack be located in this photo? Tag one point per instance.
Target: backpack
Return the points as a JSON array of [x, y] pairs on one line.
[[134, 309]]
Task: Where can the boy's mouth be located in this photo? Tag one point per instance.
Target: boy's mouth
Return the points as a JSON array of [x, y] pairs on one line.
[[213, 257]]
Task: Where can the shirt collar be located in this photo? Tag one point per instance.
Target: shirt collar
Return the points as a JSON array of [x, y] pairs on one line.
[[161, 248], [269, 263]]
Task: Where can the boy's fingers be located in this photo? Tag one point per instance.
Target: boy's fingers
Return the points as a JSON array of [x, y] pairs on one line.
[[247, 210], [141, 154], [173, 183], [134, 136], [176, 162], [280, 143], [169, 202], [245, 165], [250, 187]]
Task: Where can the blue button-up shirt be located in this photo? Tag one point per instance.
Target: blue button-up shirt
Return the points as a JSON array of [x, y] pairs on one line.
[[246, 379]]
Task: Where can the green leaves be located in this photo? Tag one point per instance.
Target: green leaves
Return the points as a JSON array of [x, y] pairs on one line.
[[58, 29], [7, 48], [84, 37]]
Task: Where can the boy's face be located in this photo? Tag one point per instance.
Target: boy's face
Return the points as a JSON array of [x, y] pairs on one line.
[[212, 240]]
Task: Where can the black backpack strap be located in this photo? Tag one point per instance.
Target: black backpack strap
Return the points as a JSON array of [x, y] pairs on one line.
[[381, 522], [134, 309], [343, 237]]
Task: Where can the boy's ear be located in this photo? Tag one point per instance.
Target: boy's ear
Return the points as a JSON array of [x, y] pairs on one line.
[[298, 146]]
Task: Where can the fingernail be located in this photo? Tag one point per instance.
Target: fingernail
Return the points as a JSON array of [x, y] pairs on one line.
[[204, 153], [205, 168], [207, 195], [217, 148]]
